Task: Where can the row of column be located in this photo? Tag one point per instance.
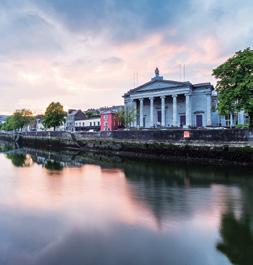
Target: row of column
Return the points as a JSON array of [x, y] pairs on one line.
[[174, 118], [174, 110]]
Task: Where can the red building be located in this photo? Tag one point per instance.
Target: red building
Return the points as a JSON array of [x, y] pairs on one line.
[[109, 121]]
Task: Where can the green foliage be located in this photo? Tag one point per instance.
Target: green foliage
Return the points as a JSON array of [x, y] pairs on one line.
[[91, 113], [53, 165], [235, 83], [18, 120], [18, 160], [242, 126], [237, 239], [126, 117], [54, 115]]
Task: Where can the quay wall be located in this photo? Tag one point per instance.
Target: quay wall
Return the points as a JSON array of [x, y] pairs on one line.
[[212, 146]]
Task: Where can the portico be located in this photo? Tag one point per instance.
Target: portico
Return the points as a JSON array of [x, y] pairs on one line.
[[162, 111], [166, 103]]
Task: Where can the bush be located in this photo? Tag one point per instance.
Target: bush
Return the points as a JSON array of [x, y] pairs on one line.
[[242, 126]]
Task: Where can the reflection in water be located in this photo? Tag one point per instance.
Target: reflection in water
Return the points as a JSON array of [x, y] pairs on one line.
[[73, 208], [53, 165], [20, 160], [237, 239]]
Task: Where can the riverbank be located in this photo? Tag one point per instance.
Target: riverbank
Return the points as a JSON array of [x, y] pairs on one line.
[[204, 146]]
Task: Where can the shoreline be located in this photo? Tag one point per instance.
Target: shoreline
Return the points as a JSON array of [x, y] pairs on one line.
[[188, 150]]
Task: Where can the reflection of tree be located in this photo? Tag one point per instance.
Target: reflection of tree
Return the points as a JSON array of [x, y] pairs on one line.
[[19, 160], [53, 165], [5, 147], [237, 239]]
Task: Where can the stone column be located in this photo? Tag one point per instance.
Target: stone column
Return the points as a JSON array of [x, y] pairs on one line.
[[174, 123], [208, 110], [141, 112], [125, 113], [163, 110], [231, 120], [188, 110], [135, 113], [151, 112]]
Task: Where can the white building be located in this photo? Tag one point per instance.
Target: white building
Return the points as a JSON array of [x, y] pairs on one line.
[[88, 124], [167, 103]]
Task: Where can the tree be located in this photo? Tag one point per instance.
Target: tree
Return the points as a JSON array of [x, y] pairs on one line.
[[237, 239], [22, 118], [125, 118], [235, 84], [18, 120], [54, 115], [91, 113]]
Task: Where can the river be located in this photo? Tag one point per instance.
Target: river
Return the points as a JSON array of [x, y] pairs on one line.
[[69, 208]]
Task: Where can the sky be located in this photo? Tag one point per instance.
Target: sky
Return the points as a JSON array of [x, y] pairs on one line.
[[87, 54]]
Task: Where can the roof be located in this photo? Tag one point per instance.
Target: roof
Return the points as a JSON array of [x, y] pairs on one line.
[[176, 85], [154, 80], [202, 85], [77, 114]]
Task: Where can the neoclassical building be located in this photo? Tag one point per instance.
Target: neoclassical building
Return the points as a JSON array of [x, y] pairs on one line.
[[167, 103]]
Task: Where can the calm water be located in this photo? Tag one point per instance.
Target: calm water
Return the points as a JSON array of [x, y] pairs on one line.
[[71, 208]]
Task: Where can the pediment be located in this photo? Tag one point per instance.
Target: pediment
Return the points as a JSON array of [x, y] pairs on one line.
[[159, 85]]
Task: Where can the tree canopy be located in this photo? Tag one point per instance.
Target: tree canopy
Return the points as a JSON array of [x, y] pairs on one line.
[[235, 83], [125, 118], [54, 115], [18, 120]]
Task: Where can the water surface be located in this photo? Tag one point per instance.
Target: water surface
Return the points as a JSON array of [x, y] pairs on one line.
[[69, 208]]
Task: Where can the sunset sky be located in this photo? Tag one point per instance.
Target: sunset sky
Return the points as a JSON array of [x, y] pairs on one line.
[[84, 53]]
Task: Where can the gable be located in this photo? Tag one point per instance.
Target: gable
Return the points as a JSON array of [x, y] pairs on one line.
[[158, 85], [79, 115]]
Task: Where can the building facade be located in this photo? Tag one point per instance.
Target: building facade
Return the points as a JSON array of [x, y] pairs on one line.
[[167, 103], [109, 121], [72, 117], [87, 124]]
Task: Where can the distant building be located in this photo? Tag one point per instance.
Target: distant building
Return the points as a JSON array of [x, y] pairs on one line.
[[109, 121], [87, 124], [115, 109], [3, 118], [167, 103], [234, 119], [72, 117], [36, 125]]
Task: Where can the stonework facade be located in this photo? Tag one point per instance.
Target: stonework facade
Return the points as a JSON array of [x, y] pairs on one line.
[[166, 103]]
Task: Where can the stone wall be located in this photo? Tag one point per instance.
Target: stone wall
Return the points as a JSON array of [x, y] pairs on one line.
[[214, 146], [209, 135]]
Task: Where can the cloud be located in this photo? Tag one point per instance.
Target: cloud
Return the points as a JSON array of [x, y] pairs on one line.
[[84, 53], [118, 20], [112, 60]]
